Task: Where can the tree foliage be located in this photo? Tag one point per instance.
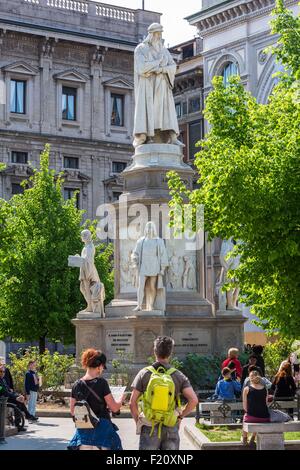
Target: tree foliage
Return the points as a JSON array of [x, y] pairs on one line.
[[52, 367], [39, 293], [249, 182]]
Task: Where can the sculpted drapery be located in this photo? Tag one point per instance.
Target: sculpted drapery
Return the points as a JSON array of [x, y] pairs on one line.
[[154, 79]]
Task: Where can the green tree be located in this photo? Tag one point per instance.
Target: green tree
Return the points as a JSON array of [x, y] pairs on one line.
[[39, 293], [249, 182]]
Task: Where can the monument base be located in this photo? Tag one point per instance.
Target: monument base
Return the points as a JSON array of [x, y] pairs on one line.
[[132, 335]]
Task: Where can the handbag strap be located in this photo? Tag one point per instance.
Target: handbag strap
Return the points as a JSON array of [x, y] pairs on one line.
[[92, 391]]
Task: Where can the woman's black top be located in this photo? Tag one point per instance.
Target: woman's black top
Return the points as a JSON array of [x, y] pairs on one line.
[[101, 389], [256, 402], [285, 387]]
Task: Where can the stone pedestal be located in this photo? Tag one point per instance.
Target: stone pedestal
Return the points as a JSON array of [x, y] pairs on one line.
[[270, 441], [189, 317]]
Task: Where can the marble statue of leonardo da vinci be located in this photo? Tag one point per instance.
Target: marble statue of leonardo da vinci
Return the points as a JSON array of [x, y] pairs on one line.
[[155, 117]]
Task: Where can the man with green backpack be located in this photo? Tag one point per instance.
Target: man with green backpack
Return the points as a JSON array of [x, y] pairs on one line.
[[155, 400]]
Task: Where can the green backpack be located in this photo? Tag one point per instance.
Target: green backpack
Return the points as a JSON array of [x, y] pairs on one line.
[[158, 402]]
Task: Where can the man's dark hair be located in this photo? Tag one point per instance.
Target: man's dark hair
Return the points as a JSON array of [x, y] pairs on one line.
[[226, 371], [231, 365], [163, 346]]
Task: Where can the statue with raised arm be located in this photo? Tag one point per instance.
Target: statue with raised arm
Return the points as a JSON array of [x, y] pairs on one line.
[[155, 117], [150, 259], [91, 287]]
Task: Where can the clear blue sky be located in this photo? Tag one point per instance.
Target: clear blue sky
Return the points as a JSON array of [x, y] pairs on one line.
[[176, 29]]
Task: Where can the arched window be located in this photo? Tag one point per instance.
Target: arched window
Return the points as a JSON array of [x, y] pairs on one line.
[[229, 70]]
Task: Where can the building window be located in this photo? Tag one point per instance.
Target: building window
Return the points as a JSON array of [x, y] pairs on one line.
[[18, 96], [69, 194], [116, 195], [118, 167], [178, 110], [195, 134], [188, 51], [16, 188], [229, 70], [19, 157], [184, 108], [194, 105], [117, 110], [71, 162], [69, 103]]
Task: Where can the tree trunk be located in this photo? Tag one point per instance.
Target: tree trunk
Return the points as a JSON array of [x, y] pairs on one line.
[[42, 344]]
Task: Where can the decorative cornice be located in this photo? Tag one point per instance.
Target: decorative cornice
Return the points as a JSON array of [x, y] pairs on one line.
[[75, 175], [21, 170], [188, 81], [215, 20]]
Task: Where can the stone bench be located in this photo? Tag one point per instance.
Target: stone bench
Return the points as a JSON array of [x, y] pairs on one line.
[[270, 436], [221, 412]]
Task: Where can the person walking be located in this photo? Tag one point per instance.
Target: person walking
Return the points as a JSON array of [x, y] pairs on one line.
[[233, 357], [31, 388], [255, 399], [157, 388], [94, 389]]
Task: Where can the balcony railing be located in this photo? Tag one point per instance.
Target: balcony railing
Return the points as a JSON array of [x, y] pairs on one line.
[[89, 8]]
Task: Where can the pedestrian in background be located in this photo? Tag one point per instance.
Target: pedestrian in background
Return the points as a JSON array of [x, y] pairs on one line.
[[32, 388]]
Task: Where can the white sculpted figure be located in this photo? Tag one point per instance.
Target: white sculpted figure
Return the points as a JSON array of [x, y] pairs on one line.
[[230, 263], [150, 259], [90, 285], [155, 117], [174, 271], [189, 275]]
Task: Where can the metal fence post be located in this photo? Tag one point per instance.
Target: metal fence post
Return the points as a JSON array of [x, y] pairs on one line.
[[3, 402]]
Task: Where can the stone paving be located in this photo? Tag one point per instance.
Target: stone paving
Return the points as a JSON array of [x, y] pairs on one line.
[[54, 434]]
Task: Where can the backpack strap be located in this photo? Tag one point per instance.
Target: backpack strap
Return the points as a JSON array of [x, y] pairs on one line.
[[151, 369], [92, 392], [171, 371]]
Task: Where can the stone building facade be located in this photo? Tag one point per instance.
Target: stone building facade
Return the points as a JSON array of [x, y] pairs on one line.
[[235, 34], [188, 95], [66, 78]]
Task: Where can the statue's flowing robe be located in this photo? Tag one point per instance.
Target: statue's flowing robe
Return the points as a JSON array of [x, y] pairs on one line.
[[88, 272], [152, 258], [154, 102]]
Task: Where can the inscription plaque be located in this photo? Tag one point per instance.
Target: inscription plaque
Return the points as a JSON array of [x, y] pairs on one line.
[[187, 341], [119, 341]]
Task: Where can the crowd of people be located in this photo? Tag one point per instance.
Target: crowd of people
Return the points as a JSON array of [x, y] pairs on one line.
[[155, 397], [256, 391]]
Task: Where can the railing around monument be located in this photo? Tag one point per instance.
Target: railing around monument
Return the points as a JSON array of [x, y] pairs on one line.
[[101, 10]]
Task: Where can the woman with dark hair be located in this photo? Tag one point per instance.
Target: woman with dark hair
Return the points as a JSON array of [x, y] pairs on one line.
[[95, 390], [284, 386]]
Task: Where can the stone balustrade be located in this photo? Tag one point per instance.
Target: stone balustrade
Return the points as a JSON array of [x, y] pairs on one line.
[[89, 8]]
